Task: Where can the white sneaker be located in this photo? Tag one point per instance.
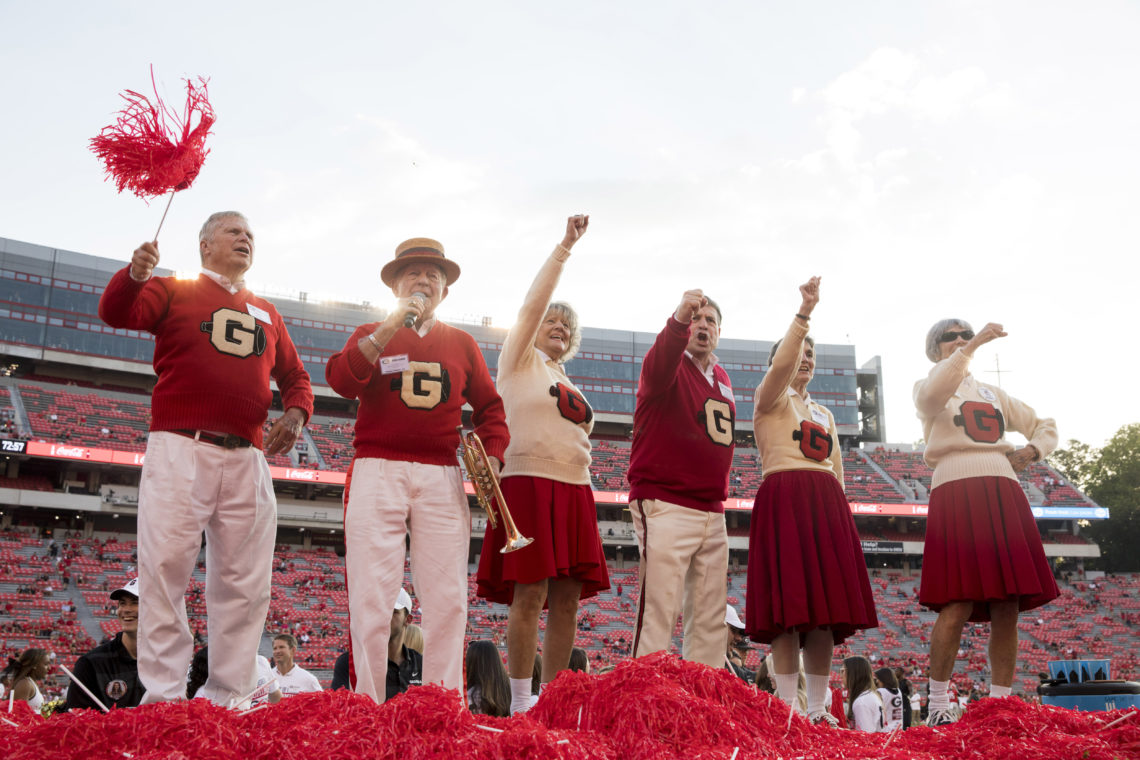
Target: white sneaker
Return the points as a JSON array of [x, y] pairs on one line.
[[521, 707], [943, 717], [823, 718]]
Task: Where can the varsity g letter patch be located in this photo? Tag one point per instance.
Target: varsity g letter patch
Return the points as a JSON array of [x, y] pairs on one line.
[[815, 440], [982, 422], [235, 333]]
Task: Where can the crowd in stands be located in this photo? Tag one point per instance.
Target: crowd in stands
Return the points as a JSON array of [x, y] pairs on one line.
[[96, 419], [46, 587]]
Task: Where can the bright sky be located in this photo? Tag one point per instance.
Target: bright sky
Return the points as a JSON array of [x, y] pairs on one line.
[[970, 159]]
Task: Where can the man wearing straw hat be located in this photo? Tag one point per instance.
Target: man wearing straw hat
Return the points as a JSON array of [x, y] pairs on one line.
[[412, 374], [216, 347]]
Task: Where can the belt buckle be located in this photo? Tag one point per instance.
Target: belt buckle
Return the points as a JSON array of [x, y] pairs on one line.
[[230, 441]]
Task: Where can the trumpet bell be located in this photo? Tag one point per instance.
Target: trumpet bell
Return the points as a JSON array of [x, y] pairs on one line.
[[516, 543]]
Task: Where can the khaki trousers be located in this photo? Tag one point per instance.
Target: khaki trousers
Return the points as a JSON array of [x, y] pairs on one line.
[[386, 501], [683, 569], [188, 487]]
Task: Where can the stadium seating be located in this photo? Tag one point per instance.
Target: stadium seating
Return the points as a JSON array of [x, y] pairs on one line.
[[879, 475]]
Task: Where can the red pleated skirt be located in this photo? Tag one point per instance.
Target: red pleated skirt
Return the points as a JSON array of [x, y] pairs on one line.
[[805, 561], [563, 521], [982, 546]]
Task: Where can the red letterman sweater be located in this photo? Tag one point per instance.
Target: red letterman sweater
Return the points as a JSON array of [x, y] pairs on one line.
[[214, 353], [411, 415], [682, 428]]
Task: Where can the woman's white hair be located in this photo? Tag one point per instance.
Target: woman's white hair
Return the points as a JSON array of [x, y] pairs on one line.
[[941, 326], [566, 310]]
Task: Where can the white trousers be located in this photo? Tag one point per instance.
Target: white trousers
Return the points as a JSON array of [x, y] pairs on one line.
[[189, 487], [387, 500], [683, 569]]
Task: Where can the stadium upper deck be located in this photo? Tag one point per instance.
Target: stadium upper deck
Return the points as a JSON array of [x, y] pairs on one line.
[[50, 331], [48, 315]]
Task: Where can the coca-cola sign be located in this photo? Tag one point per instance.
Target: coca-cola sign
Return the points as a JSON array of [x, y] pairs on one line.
[[71, 452]]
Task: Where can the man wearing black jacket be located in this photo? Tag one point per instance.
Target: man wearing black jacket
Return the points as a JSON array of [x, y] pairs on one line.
[[110, 670]]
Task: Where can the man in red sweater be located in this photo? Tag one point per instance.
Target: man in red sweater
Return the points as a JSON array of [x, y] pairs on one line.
[[216, 347], [412, 374], [678, 473]]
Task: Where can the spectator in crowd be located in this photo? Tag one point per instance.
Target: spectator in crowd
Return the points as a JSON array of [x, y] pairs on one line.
[[579, 660], [217, 346], [405, 664], [110, 671], [414, 637], [764, 676], [864, 706], [908, 697], [291, 677], [200, 671], [977, 510], [894, 704], [678, 473], [23, 676], [412, 383], [546, 477], [808, 587], [733, 658], [488, 692]]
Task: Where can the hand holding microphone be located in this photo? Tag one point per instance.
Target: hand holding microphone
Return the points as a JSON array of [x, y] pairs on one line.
[[416, 303]]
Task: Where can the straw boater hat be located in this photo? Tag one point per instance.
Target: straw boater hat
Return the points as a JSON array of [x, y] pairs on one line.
[[419, 250]]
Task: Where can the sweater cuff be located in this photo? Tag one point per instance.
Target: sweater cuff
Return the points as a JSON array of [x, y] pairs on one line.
[[959, 360], [360, 367], [799, 329]]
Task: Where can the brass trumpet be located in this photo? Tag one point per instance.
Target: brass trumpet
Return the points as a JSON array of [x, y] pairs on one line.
[[486, 484]]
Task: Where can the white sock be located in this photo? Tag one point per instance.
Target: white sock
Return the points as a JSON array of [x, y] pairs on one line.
[[816, 693], [1000, 691], [520, 695], [939, 695], [787, 686]]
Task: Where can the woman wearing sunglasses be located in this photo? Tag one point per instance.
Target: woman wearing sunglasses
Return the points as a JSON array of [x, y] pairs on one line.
[[983, 559]]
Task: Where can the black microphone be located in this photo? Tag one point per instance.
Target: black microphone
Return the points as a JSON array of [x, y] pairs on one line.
[[410, 318]]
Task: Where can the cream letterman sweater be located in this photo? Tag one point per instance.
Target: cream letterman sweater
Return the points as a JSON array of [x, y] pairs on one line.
[[964, 423], [549, 419], [793, 432]]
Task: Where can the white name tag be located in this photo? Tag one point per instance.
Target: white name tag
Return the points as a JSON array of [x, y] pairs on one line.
[[257, 313], [819, 415], [390, 365], [726, 391], [987, 394]]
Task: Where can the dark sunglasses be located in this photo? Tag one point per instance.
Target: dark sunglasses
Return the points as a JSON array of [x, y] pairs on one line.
[[950, 337]]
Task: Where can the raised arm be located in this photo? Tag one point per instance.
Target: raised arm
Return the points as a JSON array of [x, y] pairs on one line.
[[130, 299], [659, 367], [787, 359], [522, 335], [350, 369], [931, 394]]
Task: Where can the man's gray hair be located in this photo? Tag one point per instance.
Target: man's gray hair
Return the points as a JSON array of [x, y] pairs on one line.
[[941, 326], [215, 219]]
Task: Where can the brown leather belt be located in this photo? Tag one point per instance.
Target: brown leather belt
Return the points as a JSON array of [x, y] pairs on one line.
[[226, 441]]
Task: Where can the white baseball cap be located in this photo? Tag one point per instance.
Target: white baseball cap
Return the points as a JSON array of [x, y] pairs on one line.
[[131, 587], [732, 618], [403, 602]]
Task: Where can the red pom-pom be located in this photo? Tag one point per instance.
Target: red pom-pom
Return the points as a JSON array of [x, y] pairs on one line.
[[150, 150]]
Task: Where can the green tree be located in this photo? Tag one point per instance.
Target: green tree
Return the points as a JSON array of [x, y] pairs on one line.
[[1111, 477]]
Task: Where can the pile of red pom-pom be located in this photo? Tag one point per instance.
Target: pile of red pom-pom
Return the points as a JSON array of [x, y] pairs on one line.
[[654, 707]]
